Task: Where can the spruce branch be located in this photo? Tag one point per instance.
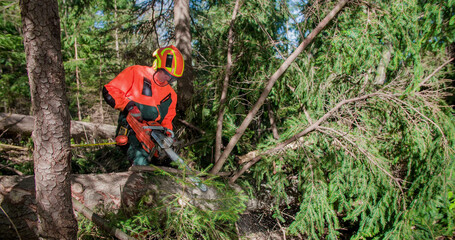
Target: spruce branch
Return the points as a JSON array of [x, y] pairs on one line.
[[367, 154], [435, 71], [401, 102], [281, 146]]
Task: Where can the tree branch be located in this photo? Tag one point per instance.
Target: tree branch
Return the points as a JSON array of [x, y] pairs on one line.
[[435, 71], [307, 130], [219, 123], [95, 218]]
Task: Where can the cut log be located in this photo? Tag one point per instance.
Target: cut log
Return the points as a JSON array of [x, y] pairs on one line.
[[24, 124]]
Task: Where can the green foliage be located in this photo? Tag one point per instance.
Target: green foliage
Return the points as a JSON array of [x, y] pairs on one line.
[[14, 89], [380, 168], [254, 60], [106, 159]]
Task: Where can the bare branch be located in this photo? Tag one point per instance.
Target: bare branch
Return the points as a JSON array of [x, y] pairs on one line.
[[95, 218], [435, 71]]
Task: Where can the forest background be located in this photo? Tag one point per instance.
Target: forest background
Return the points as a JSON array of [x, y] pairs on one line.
[[357, 136]]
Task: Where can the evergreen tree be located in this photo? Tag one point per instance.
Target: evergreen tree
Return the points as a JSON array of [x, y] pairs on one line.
[[14, 90]]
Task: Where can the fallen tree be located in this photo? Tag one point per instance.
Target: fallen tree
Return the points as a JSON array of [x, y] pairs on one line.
[[107, 192], [100, 193], [23, 124]]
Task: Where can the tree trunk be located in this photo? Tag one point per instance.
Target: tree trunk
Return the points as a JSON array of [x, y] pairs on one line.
[[78, 81], [382, 68], [101, 92], [183, 43], [51, 136], [241, 130], [272, 121], [24, 124], [219, 128]]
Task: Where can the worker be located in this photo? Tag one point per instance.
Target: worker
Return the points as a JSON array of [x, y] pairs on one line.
[[145, 92]]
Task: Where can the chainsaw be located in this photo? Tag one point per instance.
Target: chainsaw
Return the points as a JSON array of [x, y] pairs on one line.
[[163, 139]]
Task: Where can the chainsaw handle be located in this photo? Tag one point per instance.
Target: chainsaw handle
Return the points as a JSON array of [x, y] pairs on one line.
[[169, 131]]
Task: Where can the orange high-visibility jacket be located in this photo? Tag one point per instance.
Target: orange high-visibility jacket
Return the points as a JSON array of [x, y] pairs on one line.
[[136, 84]]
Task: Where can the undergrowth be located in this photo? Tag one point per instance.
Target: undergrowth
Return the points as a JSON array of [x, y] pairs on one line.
[[175, 217]]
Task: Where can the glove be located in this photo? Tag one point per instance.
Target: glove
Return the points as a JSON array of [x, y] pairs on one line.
[[134, 111]]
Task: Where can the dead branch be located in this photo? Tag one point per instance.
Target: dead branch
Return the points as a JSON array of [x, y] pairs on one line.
[[191, 126], [25, 124], [435, 71], [12, 169], [7, 146], [99, 221]]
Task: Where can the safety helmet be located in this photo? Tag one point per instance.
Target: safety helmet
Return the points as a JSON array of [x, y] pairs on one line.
[[170, 59]]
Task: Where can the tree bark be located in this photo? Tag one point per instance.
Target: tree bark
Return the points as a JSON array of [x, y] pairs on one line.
[[24, 124], [219, 124], [51, 135], [241, 130], [382, 68], [272, 121], [183, 43]]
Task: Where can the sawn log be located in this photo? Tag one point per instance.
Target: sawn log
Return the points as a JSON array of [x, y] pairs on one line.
[[24, 124]]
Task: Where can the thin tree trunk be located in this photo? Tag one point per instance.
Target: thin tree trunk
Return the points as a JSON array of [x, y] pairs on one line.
[[183, 43], [51, 137], [272, 122], [101, 93], [382, 68], [241, 130], [219, 129], [117, 49], [78, 81]]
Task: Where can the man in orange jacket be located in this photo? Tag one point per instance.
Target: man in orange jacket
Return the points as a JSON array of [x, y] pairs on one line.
[[145, 93]]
